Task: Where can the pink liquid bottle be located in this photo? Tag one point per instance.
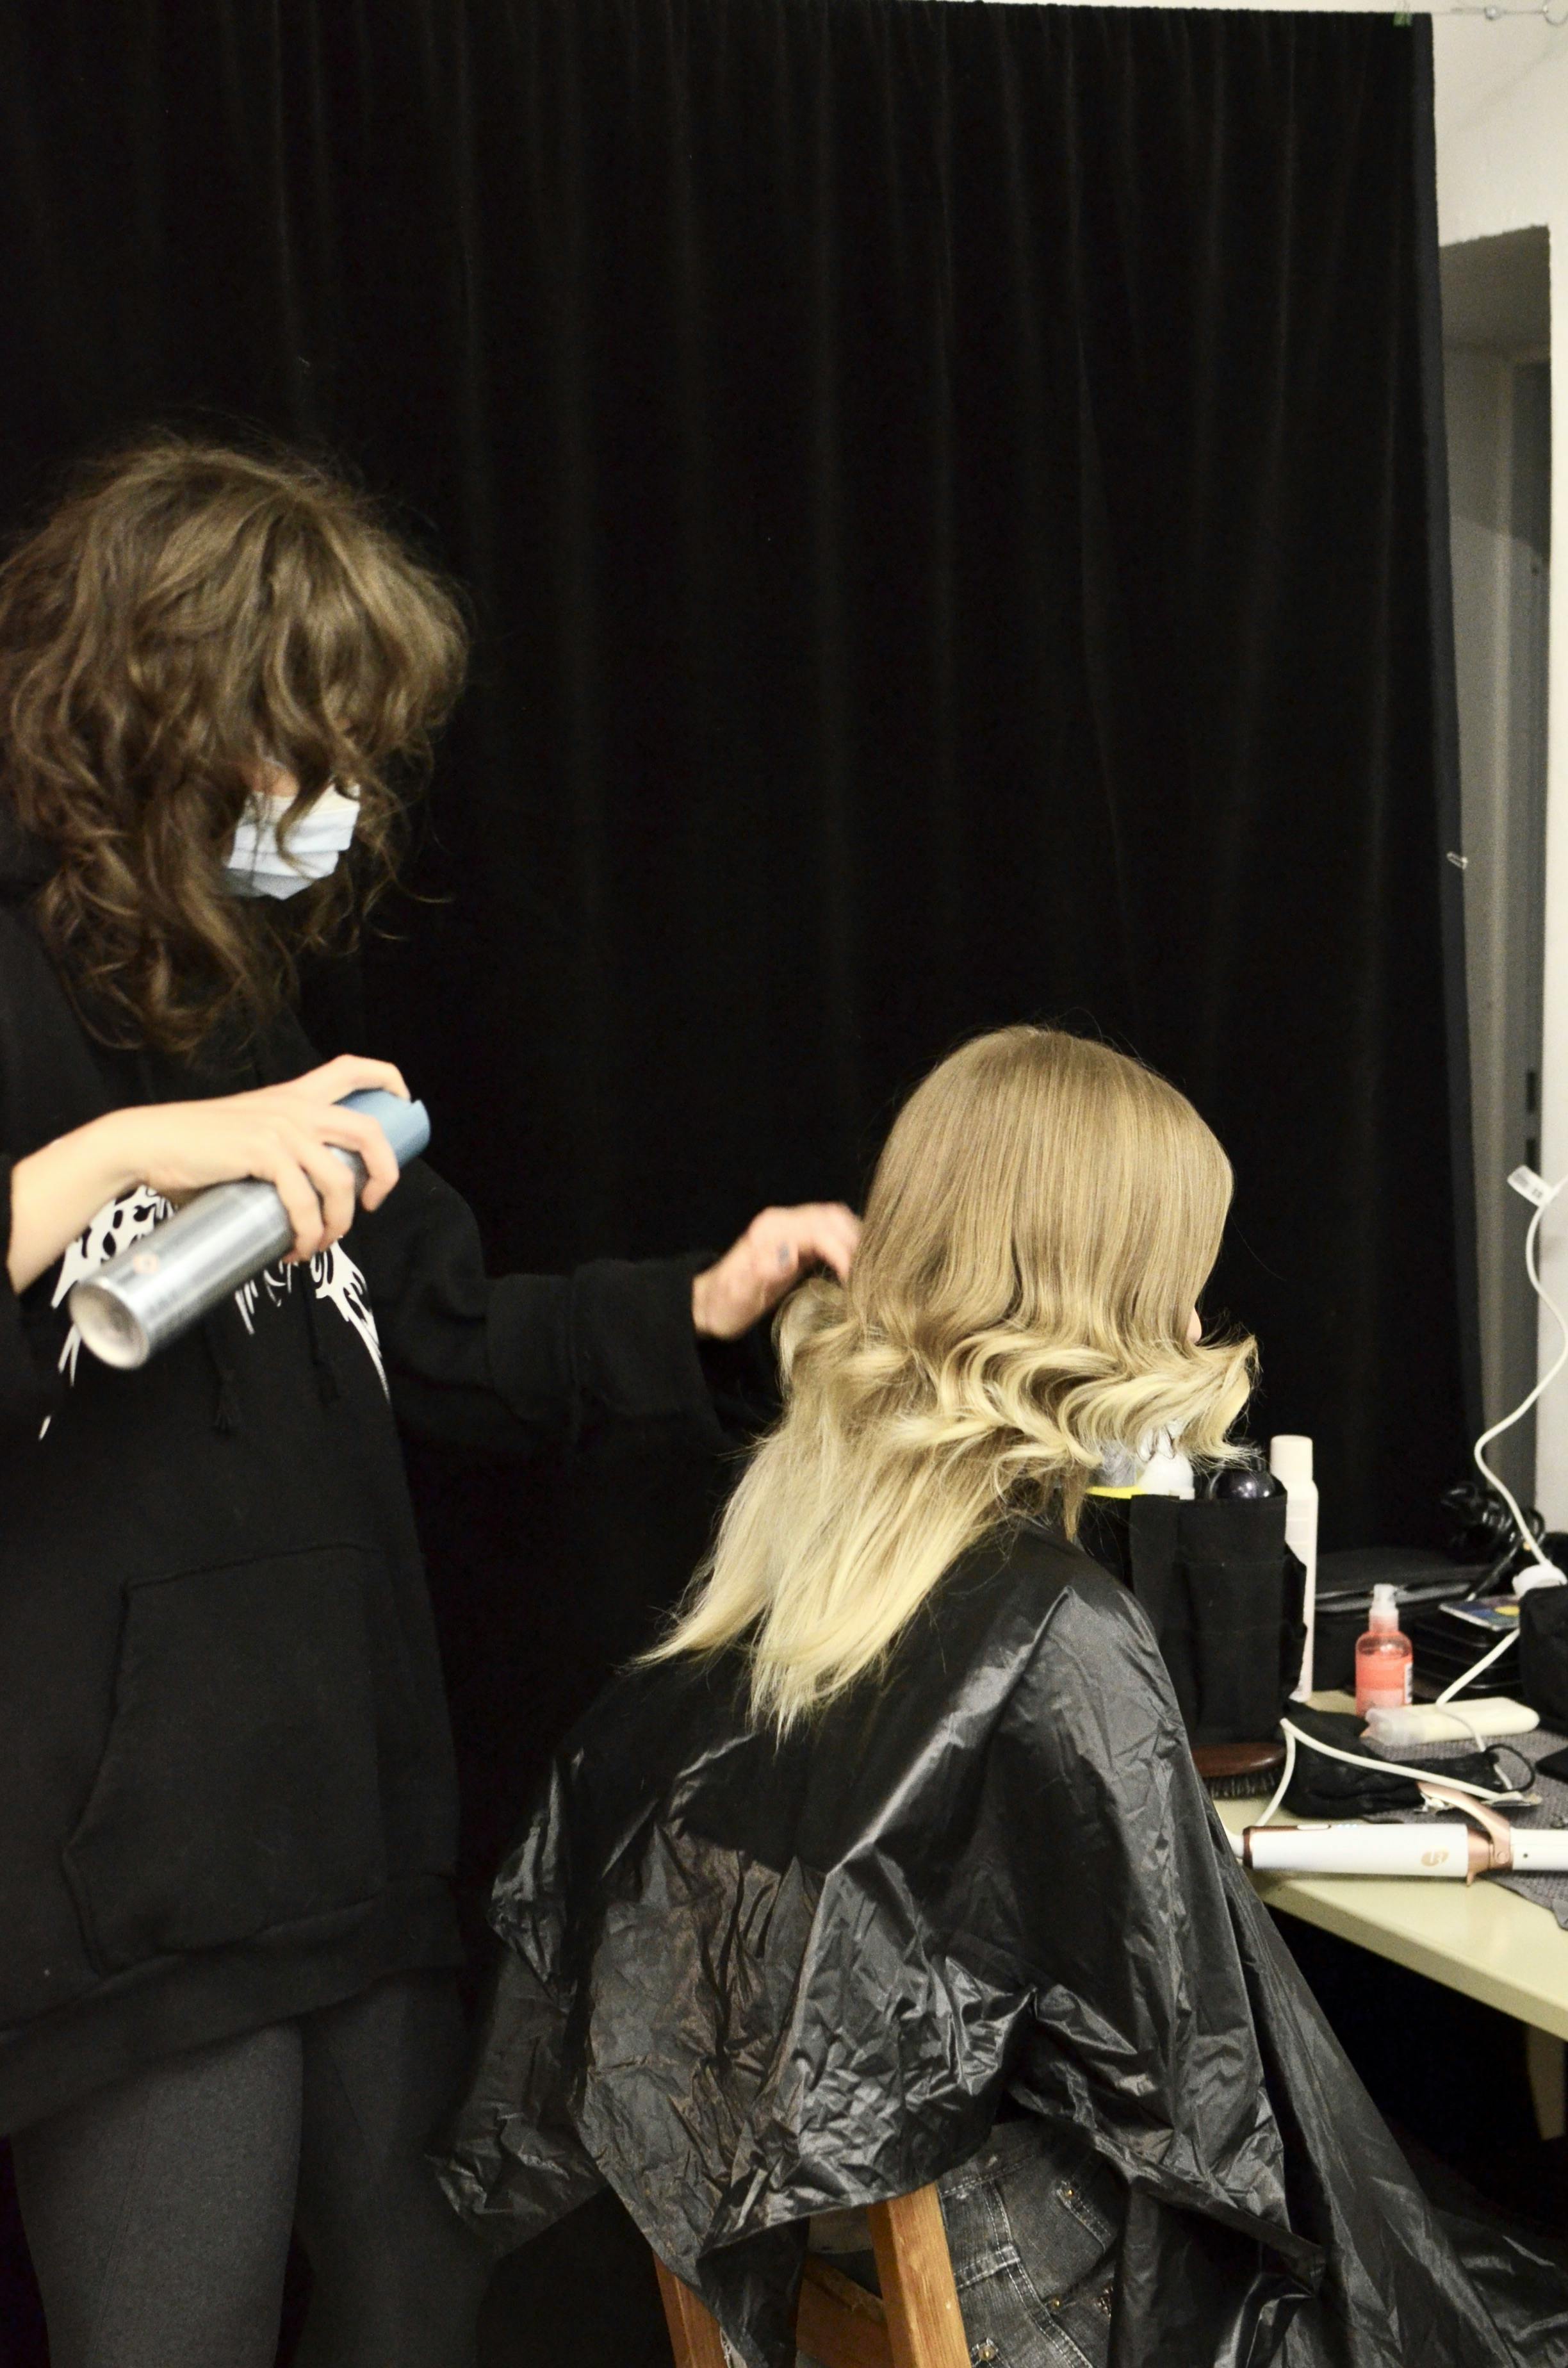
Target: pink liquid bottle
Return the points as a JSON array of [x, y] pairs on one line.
[[1384, 1657]]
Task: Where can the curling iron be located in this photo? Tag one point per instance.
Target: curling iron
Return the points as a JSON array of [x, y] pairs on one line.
[[1444, 1849], [158, 1287]]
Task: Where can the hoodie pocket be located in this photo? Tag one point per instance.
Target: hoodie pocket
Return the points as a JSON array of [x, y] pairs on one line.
[[239, 1787]]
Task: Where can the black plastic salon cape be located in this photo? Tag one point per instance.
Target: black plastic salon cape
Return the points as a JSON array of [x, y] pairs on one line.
[[747, 1981]]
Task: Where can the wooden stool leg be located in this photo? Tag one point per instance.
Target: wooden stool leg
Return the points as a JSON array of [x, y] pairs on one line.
[[694, 2331], [915, 2273]]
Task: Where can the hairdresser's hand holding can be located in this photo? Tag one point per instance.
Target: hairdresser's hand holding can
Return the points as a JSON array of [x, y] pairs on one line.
[[222, 1238], [283, 1136]]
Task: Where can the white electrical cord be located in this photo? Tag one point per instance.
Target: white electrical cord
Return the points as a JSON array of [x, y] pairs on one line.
[[1395, 1766], [1283, 1786], [1463, 1680], [1530, 1187]]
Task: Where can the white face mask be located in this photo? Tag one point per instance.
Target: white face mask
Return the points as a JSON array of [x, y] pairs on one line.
[[256, 865]]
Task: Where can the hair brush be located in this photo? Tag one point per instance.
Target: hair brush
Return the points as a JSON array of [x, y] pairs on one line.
[[1240, 1771]]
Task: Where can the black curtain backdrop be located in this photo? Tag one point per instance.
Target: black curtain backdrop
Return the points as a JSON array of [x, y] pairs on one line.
[[950, 508]]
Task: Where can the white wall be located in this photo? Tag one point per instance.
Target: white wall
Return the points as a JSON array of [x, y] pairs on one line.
[[1502, 164]]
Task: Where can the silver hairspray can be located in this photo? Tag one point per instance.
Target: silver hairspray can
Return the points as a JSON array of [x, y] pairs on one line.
[[170, 1278]]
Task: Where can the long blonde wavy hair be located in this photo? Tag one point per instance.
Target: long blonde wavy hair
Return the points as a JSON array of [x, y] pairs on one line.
[[1042, 1219]]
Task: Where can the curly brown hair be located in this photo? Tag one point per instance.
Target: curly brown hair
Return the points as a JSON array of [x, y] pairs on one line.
[[189, 611]]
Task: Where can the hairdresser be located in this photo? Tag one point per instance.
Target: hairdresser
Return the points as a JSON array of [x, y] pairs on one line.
[[227, 1944]]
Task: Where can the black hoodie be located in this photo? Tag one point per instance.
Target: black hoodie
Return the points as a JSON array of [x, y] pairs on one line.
[[226, 1783]]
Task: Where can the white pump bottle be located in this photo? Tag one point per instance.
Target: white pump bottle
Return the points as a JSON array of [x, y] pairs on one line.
[[1290, 1461]]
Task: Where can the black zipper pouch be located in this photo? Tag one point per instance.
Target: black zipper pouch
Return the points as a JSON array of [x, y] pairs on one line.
[[1323, 1787]]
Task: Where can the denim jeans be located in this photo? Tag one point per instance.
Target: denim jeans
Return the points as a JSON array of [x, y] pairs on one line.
[[1033, 2221]]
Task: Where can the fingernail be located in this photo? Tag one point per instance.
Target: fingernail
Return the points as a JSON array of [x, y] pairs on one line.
[[786, 1257]]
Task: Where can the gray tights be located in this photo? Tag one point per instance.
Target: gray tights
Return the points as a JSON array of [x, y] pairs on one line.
[[158, 2211]]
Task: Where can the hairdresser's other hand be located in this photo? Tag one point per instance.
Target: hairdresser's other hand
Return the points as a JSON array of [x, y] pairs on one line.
[[772, 1254], [282, 1134]]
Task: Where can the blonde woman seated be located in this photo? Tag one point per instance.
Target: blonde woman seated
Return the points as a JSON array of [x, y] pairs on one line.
[[892, 1865]]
